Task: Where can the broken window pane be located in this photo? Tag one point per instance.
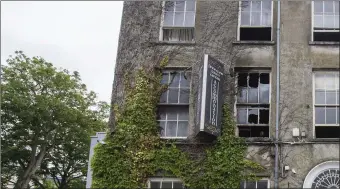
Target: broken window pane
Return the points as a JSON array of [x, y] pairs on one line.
[[244, 131], [242, 80], [242, 116], [327, 132], [253, 116], [320, 115], [330, 116], [264, 116], [253, 80], [264, 78]]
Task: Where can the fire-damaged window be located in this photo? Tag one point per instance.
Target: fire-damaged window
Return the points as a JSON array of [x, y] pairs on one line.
[[253, 104], [325, 21], [173, 107], [255, 21], [178, 21], [326, 105], [263, 183]]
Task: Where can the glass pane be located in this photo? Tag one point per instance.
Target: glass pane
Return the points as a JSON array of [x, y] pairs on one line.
[[162, 125], [266, 19], [319, 81], [329, 21], [266, 6], [336, 21], [161, 113], [185, 79], [318, 21], [264, 116], [179, 5], [262, 184], [336, 7], [169, 6], [338, 115], [337, 98], [319, 115], [245, 6], [241, 116], [253, 116], [330, 115], [264, 93], [184, 96], [182, 129], [163, 98], [330, 81], [174, 79], [245, 18], [171, 113], [173, 96], [155, 185], [255, 19], [179, 19], [252, 97], [167, 185], [190, 5], [242, 95], [318, 7], [242, 185], [171, 127], [331, 97], [250, 185], [183, 113], [256, 6], [320, 97], [168, 18], [165, 78], [189, 19], [328, 6]]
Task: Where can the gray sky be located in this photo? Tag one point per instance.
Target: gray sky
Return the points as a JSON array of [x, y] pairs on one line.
[[78, 36]]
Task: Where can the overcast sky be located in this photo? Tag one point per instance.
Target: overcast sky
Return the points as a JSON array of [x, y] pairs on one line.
[[79, 36]]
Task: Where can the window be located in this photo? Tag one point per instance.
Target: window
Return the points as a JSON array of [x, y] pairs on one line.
[[255, 21], [255, 184], [168, 183], [178, 21], [252, 104], [326, 105], [173, 108], [326, 21]]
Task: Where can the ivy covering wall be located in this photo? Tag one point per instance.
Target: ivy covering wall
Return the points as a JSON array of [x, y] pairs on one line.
[[135, 152]]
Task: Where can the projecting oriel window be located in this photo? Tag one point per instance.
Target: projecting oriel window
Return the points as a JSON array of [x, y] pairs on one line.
[[253, 102], [325, 21], [263, 184], [326, 105], [165, 183], [178, 23], [173, 108], [255, 21]]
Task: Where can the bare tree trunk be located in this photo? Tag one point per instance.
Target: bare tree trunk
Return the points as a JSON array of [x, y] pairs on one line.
[[32, 167]]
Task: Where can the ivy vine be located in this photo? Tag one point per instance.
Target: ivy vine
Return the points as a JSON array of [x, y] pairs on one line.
[[135, 151]]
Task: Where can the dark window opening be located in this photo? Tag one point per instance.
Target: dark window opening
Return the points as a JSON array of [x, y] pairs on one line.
[[327, 132], [253, 131], [327, 36], [253, 80], [179, 34], [242, 79], [264, 78], [256, 34], [264, 116]]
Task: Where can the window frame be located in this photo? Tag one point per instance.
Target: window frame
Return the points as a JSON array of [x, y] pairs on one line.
[[323, 105], [312, 18], [168, 179], [263, 179], [249, 70], [169, 71], [239, 20], [161, 32]]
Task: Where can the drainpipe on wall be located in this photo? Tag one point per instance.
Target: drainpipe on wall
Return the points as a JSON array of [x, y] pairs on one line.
[[276, 172]]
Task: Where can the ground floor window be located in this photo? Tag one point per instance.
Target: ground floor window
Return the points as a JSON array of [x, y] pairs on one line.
[[264, 183], [165, 183], [324, 175]]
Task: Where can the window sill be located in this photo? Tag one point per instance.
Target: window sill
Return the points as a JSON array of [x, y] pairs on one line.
[[254, 42], [330, 140], [324, 43], [184, 43]]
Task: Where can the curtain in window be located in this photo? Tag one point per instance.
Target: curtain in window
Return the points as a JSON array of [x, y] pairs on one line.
[[179, 34]]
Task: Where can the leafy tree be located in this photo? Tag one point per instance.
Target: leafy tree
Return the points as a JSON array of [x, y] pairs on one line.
[[47, 116]]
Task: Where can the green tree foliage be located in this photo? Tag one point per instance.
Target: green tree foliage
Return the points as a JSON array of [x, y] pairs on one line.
[[135, 151], [47, 116]]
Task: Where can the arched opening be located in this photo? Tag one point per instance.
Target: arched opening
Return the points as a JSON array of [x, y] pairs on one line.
[[324, 175]]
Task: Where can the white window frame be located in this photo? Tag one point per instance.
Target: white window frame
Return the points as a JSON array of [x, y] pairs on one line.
[[239, 20], [270, 94], [162, 22], [264, 179], [312, 28], [162, 180], [326, 105]]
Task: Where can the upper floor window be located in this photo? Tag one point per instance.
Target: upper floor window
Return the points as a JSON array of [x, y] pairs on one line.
[[252, 104], [173, 109], [178, 21], [326, 21], [326, 105], [166, 183], [255, 21], [255, 184]]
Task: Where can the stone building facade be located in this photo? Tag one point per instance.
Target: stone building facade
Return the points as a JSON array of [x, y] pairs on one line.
[[243, 36]]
